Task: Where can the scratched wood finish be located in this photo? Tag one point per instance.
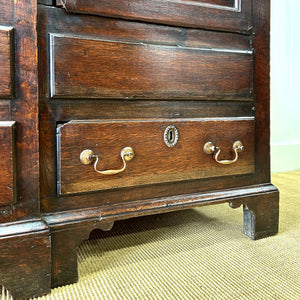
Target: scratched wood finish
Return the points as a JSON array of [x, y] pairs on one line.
[[154, 162], [7, 163], [6, 62], [216, 14], [110, 69]]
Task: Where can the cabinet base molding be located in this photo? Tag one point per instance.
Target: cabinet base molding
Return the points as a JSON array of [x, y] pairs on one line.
[[44, 251], [25, 258], [70, 228]]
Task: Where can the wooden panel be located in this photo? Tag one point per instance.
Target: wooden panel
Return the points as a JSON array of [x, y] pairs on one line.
[[261, 42], [24, 110], [58, 22], [89, 68], [7, 186], [6, 62], [25, 258], [4, 110], [154, 162], [217, 14], [6, 12]]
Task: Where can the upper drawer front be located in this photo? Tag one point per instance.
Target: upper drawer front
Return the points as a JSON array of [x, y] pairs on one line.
[[116, 69], [6, 62], [154, 162], [7, 186], [230, 15]]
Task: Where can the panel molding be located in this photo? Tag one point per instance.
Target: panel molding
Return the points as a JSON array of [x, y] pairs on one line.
[[216, 14], [111, 69], [236, 7]]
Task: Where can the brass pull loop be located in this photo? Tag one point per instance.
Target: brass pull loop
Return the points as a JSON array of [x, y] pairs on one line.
[[210, 148], [87, 157]]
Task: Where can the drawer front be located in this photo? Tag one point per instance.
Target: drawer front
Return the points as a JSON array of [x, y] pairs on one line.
[[112, 69], [154, 161], [7, 185], [6, 62], [230, 15]]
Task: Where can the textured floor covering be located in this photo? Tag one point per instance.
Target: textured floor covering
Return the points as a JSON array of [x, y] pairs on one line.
[[194, 254]]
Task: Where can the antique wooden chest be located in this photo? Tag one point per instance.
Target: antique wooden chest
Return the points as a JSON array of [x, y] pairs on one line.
[[117, 109]]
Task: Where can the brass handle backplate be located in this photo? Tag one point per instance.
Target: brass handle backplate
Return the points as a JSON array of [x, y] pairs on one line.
[[87, 157], [210, 148]]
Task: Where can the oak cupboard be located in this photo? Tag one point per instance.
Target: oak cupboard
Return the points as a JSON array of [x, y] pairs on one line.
[[117, 109]]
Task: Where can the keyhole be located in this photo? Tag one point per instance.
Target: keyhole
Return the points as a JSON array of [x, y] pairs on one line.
[[171, 136]]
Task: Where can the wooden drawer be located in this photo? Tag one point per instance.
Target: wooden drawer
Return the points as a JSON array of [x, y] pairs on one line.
[[82, 67], [154, 161], [6, 62], [230, 15], [7, 163]]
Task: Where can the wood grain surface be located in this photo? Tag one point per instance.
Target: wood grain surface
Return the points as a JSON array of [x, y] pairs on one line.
[[6, 62], [25, 261], [154, 162], [137, 36], [84, 68], [216, 14], [6, 12], [7, 163]]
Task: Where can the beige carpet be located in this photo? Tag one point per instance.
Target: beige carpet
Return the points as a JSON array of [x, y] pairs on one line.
[[194, 254]]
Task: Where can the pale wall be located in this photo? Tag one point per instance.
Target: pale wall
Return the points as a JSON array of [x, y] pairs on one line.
[[285, 85]]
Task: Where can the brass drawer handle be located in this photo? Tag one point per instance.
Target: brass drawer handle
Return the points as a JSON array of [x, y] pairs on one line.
[[210, 148], [87, 157]]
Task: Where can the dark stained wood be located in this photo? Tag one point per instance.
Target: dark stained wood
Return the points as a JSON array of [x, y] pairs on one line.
[[6, 12], [6, 62], [154, 162], [64, 111], [119, 211], [226, 3], [46, 2], [7, 163], [24, 110], [25, 258], [64, 246], [5, 214], [4, 110], [261, 216], [69, 228], [148, 192], [261, 42], [166, 47], [65, 239], [128, 70], [57, 22], [207, 14]]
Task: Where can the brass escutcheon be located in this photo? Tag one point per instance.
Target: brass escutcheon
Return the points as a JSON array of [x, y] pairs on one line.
[[171, 136]]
